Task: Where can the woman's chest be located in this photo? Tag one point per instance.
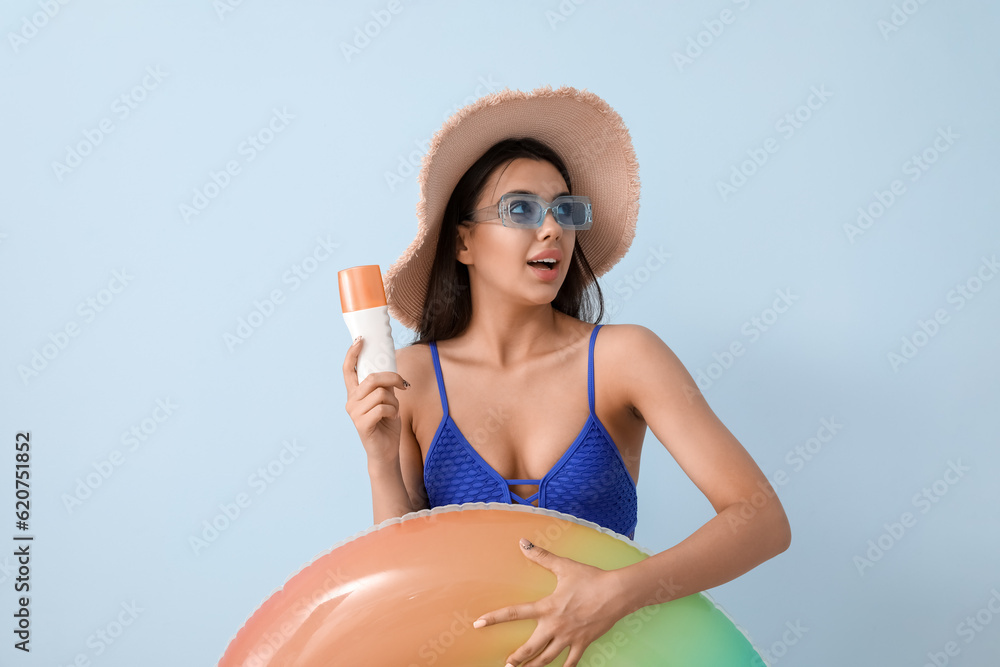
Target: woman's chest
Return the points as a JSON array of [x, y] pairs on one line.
[[522, 424]]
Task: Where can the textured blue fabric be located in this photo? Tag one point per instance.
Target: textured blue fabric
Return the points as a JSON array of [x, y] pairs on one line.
[[590, 480]]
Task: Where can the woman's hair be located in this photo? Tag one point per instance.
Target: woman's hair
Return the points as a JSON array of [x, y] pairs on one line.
[[448, 305]]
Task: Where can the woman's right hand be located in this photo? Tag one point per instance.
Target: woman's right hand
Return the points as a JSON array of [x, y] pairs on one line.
[[373, 407]]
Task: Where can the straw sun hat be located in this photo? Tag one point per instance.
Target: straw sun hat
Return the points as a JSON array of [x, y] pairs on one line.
[[579, 126]]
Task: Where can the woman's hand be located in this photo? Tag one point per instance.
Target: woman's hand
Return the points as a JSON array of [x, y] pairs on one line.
[[374, 409], [585, 604]]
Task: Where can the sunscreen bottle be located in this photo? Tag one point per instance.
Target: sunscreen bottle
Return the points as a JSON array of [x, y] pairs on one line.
[[362, 300]]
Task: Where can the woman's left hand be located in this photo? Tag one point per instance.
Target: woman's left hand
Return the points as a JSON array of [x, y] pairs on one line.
[[585, 604]]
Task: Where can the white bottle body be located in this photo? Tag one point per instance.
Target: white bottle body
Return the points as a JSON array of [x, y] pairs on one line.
[[378, 352]]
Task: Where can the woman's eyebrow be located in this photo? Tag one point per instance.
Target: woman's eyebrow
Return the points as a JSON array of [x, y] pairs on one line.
[[529, 192]]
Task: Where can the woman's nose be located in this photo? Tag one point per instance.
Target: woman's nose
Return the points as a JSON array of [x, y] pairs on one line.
[[549, 226]]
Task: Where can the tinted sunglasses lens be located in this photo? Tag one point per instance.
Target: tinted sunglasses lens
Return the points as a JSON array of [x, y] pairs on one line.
[[524, 212], [573, 214]]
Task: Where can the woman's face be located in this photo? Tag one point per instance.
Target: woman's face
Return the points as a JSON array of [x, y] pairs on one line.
[[498, 255]]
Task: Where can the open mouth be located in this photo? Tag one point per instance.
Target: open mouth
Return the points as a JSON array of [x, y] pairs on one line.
[[543, 265]]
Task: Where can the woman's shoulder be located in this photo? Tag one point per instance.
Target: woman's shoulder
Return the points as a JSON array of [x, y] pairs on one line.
[[625, 337], [415, 365], [634, 351], [415, 360]]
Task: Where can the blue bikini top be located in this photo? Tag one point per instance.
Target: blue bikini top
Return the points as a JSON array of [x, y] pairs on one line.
[[590, 481]]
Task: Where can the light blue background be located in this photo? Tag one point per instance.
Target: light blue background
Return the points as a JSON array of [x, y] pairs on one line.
[[324, 175]]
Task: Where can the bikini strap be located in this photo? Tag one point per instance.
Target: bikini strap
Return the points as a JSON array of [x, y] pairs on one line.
[[590, 371], [440, 377]]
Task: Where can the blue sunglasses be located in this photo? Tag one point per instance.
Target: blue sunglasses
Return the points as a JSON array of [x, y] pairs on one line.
[[527, 211]]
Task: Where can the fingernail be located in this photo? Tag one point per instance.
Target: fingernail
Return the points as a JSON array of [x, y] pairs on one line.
[[478, 624], [357, 339], [525, 544], [405, 384]]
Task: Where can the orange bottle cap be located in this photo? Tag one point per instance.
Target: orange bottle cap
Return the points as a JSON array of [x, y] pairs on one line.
[[361, 288]]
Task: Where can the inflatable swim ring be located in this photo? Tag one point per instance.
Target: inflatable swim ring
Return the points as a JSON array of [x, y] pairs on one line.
[[406, 592]]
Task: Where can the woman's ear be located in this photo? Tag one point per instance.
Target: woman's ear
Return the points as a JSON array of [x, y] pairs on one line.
[[463, 244]]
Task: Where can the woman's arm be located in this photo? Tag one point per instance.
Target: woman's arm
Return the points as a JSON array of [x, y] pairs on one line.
[[398, 481], [750, 525], [389, 496], [384, 424]]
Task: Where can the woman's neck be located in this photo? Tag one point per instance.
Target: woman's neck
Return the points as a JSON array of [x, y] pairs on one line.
[[507, 339]]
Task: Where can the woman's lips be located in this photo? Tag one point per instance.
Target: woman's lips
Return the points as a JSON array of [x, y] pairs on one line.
[[548, 275]]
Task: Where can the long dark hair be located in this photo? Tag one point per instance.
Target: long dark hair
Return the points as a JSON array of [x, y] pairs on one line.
[[448, 306]]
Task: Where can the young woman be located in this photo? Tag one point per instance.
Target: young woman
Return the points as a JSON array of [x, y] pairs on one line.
[[526, 198]]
